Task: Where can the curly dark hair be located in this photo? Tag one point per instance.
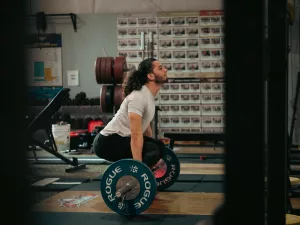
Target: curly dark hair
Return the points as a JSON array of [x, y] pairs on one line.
[[137, 78]]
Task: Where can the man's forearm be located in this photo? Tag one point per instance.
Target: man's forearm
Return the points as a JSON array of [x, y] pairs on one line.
[[137, 141]]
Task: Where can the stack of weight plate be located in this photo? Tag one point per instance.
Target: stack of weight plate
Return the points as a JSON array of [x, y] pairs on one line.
[[110, 73]]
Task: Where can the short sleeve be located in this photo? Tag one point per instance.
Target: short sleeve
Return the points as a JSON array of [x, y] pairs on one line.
[[137, 103]]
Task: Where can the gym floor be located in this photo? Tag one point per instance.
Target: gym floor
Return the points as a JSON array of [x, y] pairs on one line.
[[192, 198], [179, 203]]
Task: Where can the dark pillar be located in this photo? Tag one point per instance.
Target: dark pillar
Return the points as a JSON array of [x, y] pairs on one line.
[[244, 101], [277, 111], [13, 164]]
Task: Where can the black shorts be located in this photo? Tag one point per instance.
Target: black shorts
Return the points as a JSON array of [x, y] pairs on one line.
[[115, 147]]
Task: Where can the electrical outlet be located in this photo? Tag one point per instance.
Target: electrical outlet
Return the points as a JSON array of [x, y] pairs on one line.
[[73, 78]]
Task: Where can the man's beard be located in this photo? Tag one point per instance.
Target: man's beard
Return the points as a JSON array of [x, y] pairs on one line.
[[160, 80]]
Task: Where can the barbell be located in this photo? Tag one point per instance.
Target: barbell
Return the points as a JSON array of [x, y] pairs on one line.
[[128, 187]]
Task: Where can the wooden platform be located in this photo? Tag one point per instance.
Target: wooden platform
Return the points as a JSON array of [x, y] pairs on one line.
[[197, 168], [171, 203], [200, 150], [176, 203], [295, 203]]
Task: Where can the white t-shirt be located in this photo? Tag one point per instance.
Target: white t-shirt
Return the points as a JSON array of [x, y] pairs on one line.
[[141, 102]]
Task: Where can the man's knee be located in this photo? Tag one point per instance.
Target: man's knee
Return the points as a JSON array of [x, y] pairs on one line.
[[162, 148], [151, 154]]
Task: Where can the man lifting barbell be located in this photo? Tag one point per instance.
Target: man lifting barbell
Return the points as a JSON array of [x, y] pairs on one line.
[[129, 134], [130, 183]]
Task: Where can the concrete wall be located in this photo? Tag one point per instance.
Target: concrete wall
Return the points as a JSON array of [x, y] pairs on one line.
[[80, 49]]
